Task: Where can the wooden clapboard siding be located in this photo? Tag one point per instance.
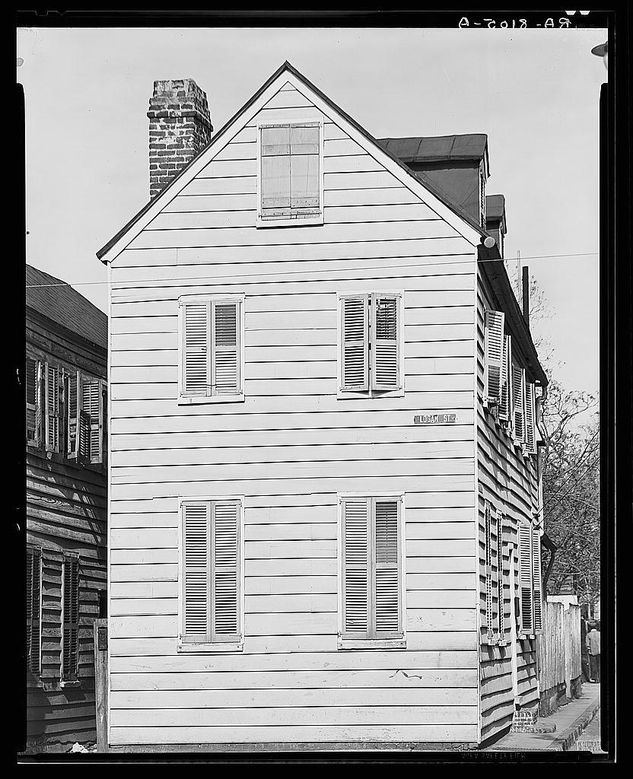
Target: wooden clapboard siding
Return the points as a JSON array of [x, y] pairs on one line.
[[289, 448], [508, 480], [65, 512]]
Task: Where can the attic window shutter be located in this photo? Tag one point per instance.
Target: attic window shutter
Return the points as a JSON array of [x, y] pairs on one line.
[[290, 170], [384, 342], [226, 335], [504, 405], [196, 558], [92, 405], [525, 578], [518, 402], [225, 589], [33, 608], [52, 407], [493, 354], [536, 580], [355, 343], [196, 369], [70, 618], [530, 421], [356, 560], [387, 587]]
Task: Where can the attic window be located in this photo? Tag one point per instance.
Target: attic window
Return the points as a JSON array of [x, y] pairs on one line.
[[290, 173]]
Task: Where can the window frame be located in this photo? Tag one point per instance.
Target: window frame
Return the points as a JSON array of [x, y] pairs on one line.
[[239, 298], [371, 392], [288, 221], [210, 647], [343, 641]]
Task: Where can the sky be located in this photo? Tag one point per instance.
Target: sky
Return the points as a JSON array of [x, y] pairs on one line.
[[535, 93]]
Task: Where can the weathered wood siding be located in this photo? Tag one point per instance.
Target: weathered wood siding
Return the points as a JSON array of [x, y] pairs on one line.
[[289, 449], [66, 512], [508, 480]]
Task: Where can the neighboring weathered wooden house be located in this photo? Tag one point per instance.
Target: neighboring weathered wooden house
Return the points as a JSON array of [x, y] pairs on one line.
[[324, 490], [65, 376]]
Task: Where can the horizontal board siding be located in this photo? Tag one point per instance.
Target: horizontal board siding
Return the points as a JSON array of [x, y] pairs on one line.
[[289, 448]]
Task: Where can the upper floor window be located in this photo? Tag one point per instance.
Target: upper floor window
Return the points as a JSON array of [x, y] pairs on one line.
[[290, 174], [505, 384], [65, 411], [371, 338], [211, 355]]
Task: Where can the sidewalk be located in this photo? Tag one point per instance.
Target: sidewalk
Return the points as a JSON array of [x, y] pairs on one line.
[[570, 721]]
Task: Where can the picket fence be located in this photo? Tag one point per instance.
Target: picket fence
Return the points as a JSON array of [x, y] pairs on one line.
[[559, 654]]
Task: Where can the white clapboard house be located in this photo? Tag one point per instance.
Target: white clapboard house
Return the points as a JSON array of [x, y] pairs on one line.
[[324, 479]]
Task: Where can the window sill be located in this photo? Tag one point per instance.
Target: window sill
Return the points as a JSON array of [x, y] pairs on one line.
[[285, 221], [372, 643], [70, 683], [192, 401], [207, 648], [369, 394]]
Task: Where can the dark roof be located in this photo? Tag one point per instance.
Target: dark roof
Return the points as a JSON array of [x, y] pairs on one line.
[[214, 138], [495, 207], [436, 149], [58, 301]]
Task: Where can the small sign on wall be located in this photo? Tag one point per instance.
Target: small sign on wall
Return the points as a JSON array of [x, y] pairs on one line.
[[434, 419]]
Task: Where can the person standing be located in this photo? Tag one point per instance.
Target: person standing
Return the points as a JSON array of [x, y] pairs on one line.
[[593, 647]]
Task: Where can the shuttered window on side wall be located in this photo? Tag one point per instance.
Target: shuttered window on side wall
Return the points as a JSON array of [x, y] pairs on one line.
[[501, 628], [211, 572], [33, 609], [530, 418], [355, 343], [384, 348], [52, 406], [493, 355], [525, 579], [70, 619], [488, 569], [211, 362], [92, 405], [371, 568], [33, 406]]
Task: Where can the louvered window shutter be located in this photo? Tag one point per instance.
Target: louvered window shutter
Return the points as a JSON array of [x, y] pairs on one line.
[[518, 402], [493, 354], [33, 608], [196, 566], [504, 405], [31, 399], [356, 561], [226, 571], [73, 409], [70, 619], [355, 343], [92, 405], [52, 408], [536, 580], [525, 578], [488, 572], [226, 348], [500, 580], [384, 347], [196, 363], [386, 579], [530, 419]]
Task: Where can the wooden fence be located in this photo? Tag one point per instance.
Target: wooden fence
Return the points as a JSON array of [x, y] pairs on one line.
[[559, 654]]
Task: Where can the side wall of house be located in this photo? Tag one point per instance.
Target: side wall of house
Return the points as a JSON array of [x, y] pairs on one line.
[[508, 481], [66, 512], [289, 449]]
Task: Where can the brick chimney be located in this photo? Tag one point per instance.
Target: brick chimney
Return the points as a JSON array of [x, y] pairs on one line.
[[179, 128]]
